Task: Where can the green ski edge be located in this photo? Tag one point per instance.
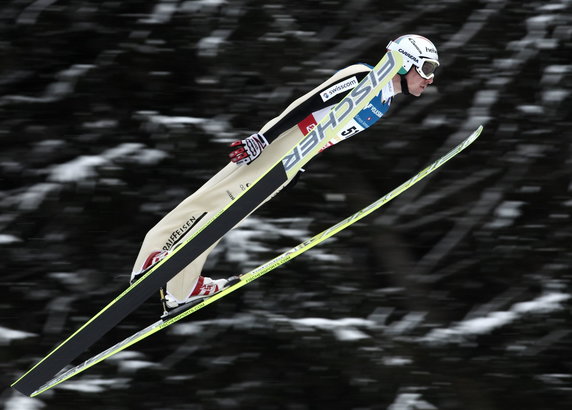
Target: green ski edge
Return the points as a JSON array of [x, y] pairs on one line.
[[292, 160], [262, 269]]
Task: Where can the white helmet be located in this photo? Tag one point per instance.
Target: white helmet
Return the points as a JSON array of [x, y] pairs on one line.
[[417, 51]]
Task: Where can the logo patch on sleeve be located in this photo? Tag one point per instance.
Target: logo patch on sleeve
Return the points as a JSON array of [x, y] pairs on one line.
[[339, 88], [307, 124]]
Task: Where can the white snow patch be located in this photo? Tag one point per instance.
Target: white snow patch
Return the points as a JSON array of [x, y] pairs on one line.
[[407, 324], [67, 80], [219, 127], [199, 5], [506, 213], [346, 329], [167, 120], [151, 156], [252, 235], [410, 401], [77, 169], [209, 46], [396, 361], [556, 379], [544, 304], [546, 44], [8, 335], [100, 124], [64, 85], [531, 150], [91, 385], [20, 402], [34, 196], [187, 329], [84, 167], [126, 355], [436, 121], [162, 13], [67, 278], [465, 34], [531, 109], [81, 169], [349, 334], [243, 243], [486, 97], [343, 329], [326, 324], [322, 256], [554, 96], [554, 74], [122, 150], [8, 239], [132, 366], [32, 12], [335, 197], [483, 325], [540, 22], [552, 7]]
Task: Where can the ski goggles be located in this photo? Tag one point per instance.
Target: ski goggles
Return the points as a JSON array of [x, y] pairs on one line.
[[427, 70]]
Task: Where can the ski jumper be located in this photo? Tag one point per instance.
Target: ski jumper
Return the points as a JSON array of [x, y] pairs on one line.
[[297, 119]]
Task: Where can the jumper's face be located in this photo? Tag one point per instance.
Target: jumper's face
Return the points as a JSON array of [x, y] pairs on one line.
[[416, 83]]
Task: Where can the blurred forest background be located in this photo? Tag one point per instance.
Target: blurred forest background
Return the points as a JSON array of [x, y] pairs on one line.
[[456, 295]]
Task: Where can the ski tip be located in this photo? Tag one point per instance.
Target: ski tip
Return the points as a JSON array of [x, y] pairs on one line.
[[475, 135]]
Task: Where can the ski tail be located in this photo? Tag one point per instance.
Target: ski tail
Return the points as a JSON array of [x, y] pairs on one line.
[[254, 274]]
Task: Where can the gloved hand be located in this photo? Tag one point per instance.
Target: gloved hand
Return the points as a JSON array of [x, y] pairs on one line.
[[247, 150]]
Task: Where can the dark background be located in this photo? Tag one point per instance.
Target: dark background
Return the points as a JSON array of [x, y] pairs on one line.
[[456, 295]]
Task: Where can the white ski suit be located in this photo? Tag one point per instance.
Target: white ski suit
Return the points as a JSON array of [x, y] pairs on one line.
[[297, 119]]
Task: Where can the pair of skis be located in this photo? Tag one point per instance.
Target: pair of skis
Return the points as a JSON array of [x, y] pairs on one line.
[[186, 310], [41, 377]]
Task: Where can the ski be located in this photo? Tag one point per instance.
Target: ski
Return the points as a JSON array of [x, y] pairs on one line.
[[285, 168], [186, 310]]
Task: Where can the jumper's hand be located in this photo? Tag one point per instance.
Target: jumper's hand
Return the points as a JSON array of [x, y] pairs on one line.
[[247, 150]]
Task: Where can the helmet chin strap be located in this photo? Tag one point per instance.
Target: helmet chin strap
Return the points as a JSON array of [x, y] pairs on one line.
[[404, 87]]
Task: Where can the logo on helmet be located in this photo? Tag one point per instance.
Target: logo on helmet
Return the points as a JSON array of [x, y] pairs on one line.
[[405, 53], [415, 45], [430, 50]]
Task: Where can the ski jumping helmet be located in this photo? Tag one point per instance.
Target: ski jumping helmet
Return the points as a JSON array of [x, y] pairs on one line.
[[418, 52]]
